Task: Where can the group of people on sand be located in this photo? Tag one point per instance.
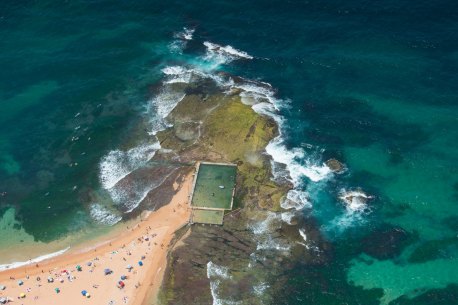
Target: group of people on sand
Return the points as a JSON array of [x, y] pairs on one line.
[[55, 276]]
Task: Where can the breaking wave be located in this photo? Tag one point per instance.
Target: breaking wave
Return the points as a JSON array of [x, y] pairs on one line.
[[216, 274], [296, 162], [265, 233], [356, 210], [103, 215], [129, 194], [185, 34], [296, 200], [33, 260], [260, 289], [117, 164], [220, 55], [355, 201], [181, 40], [115, 167]]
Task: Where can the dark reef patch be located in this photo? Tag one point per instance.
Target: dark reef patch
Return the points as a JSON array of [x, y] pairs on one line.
[[387, 243], [446, 296]]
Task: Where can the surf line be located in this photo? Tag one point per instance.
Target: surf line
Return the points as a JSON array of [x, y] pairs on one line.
[[33, 260]]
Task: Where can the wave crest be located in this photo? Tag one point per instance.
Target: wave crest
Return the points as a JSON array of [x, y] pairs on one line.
[[103, 215], [117, 164], [220, 55]]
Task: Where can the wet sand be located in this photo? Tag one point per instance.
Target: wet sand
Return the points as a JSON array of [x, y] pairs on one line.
[[147, 242]]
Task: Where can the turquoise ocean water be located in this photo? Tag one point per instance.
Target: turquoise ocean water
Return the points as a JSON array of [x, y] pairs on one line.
[[372, 84]]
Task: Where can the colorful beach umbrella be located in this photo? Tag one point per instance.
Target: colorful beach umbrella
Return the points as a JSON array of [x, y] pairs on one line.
[[57, 290], [84, 292], [22, 295], [140, 263]]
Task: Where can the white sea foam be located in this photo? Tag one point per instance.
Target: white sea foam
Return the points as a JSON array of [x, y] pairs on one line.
[[181, 40], [265, 225], [356, 201], [117, 164], [216, 274], [166, 101], [306, 244], [33, 260], [296, 199], [177, 46], [258, 92], [174, 70], [271, 244], [356, 208], [160, 106], [177, 74], [131, 195], [219, 55], [263, 230], [296, 162], [195, 73], [260, 289], [186, 34], [303, 235], [213, 270], [227, 50], [103, 215], [345, 221], [287, 217]]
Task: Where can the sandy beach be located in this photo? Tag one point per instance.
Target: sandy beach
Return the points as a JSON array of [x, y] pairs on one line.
[[143, 247]]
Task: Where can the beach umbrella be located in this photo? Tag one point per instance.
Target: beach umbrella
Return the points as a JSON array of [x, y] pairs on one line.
[[89, 263], [2, 287], [2, 300], [107, 271], [140, 263], [78, 267], [129, 267], [20, 282], [57, 290], [50, 279], [121, 284], [22, 295], [84, 292], [123, 277], [88, 295]]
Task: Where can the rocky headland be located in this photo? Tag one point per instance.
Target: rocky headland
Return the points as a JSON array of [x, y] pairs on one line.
[[238, 261]]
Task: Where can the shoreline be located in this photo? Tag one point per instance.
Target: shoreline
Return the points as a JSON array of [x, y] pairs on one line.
[[147, 242]]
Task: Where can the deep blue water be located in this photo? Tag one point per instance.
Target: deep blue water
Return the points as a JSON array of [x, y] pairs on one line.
[[372, 84]]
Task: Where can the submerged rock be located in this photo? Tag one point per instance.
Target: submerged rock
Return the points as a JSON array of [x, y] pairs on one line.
[[355, 200], [387, 243], [335, 165]]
